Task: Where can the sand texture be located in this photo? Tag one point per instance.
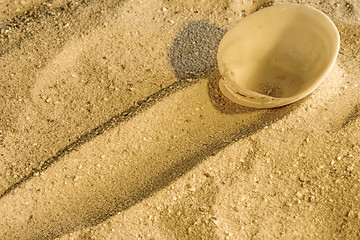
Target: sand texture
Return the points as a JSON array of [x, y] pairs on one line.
[[112, 126]]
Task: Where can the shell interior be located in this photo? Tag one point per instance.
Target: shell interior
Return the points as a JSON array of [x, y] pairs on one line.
[[277, 55]]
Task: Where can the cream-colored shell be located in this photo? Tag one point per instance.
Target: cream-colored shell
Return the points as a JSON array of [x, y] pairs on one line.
[[277, 55]]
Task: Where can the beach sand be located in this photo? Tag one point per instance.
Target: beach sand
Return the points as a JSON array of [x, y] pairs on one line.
[[112, 126]]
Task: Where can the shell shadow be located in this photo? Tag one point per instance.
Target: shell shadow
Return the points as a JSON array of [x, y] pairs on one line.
[[219, 101], [193, 52]]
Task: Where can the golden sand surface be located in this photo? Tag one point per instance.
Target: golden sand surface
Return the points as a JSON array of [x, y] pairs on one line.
[[112, 126]]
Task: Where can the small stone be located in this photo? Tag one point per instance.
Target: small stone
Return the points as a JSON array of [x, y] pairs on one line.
[[190, 188], [207, 174], [322, 192], [48, 100], [299, 194], [350, 214], [215, 222], [202, 209]]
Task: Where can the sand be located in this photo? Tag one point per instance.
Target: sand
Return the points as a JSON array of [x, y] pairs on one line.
[[112, 127]]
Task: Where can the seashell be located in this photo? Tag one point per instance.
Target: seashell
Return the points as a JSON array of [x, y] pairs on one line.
[[277, 55]]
